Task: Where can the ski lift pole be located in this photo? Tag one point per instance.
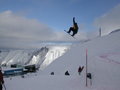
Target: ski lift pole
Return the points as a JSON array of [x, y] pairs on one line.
[[86, 65]]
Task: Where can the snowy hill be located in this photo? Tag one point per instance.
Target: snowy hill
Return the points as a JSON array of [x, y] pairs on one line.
[[102, 45], [103, 64], [103, 61], [40, 57]]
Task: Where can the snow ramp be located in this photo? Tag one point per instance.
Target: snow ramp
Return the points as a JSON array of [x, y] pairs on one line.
[[104, 69]]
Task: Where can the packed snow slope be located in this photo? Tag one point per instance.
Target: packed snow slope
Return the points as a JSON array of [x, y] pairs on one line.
[[40, 57], [103, 64], [103, 61]]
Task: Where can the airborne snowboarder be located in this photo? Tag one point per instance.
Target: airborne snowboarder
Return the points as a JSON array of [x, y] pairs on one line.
[[74, 28]]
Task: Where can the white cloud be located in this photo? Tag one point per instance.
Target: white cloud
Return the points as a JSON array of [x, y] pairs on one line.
[[17, 30], [109, 21], [22, 28]]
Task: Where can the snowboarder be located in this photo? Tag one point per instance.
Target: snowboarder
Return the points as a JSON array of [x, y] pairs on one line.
[[1, 79], [74, 29], [80, 69]]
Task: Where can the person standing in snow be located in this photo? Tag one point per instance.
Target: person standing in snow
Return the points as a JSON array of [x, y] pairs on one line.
[[1, 79], [74, 29], [80, 69], [67, 73]]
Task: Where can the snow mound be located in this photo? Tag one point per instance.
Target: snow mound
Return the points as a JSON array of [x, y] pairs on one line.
[[103, 61]]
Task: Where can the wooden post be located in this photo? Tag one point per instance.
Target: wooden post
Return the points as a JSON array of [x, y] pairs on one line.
[[86, 66]]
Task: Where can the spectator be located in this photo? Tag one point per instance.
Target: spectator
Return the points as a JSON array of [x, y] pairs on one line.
[[67, 73], [1, 79], [80, 69]]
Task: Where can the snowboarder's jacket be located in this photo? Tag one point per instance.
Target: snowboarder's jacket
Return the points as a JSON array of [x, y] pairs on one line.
[[89, 75], [1, 78], [80, 69], [75, 26]]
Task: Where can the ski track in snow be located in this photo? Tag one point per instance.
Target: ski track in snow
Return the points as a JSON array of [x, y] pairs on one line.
[[108, 55]]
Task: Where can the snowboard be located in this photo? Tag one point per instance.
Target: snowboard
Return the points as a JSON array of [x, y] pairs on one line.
[[69, 34]]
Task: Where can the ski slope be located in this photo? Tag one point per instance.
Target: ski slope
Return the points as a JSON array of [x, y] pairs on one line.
[[16, 56], [103, 64], [40, 57]]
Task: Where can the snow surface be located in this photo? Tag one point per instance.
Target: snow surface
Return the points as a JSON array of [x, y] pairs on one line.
[[40, 57], [54, 53], [103, 64]]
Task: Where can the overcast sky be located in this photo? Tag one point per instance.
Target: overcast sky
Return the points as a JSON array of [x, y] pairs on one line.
[[25, 23]]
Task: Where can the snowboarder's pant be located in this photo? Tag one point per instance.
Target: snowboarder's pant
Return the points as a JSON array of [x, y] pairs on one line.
[[73, 30], [79, 73], [0, 86]]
